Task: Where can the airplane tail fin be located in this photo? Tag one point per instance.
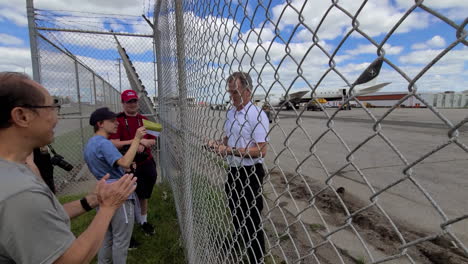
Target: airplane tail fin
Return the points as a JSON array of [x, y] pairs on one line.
[[371, 72]]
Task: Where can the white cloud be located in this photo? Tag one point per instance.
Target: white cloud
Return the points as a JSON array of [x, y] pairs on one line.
[[208, 41], [6, 39], [426, 56], [101, 6], [436, 42], [16, 16], [435, 3], [133, 45], [58, 75], [371, 49], [15, 10], [374, 19], [449, 73], [15, 59], [458, 13]]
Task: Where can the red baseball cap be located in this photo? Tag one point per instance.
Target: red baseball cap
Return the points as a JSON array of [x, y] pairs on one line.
[[128, 95]]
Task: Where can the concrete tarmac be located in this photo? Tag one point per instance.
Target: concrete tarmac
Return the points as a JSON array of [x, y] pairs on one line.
[[379, 157]]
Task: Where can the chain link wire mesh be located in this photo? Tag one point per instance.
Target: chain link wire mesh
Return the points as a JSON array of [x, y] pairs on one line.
[[372, 185], [80, 91], [85, 71]]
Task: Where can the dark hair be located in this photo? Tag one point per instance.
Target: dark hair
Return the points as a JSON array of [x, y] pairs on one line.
[[96, 126], [244, 77], [16, 89]]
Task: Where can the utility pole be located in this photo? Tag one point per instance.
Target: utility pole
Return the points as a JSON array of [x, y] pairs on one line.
[[120, 75]]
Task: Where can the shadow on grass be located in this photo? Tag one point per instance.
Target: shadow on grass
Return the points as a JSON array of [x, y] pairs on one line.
[[164, 247]]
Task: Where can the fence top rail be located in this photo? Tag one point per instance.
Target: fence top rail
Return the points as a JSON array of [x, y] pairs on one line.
[[95, 32]]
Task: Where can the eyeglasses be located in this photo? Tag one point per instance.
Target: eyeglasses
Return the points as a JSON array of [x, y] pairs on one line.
[[56, 107], [132, 101]]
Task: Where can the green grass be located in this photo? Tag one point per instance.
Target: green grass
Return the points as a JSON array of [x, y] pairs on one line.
[[316, 227], [164, 247], [360, 260]]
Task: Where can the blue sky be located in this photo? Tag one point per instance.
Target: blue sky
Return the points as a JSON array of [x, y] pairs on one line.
[[418, 40]]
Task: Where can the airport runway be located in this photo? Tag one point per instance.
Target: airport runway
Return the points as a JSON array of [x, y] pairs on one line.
[[381, 155], [413, 132]]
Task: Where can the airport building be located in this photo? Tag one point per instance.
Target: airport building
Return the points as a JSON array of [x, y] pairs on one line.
[[448, 99]]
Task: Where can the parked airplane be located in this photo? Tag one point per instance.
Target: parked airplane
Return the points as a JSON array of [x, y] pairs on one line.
[[365, 84]]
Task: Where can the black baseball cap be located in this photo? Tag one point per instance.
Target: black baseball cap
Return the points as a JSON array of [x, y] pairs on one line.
[[101, 114]]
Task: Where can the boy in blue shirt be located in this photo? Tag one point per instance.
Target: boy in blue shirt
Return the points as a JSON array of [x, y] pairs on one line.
[[103, 157]]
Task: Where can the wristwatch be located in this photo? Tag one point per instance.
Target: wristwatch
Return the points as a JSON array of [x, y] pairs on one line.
[[85, 204], [233, 151]]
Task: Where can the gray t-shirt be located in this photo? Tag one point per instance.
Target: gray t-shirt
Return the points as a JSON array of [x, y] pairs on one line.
[[34, 227]]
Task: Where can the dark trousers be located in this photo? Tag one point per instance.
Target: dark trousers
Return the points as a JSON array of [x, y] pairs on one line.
[[244, 192]]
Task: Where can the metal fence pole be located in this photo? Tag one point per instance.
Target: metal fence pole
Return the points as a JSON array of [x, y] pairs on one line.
[[78, 94], [94, 89], [179, 19], [103, 92], [33, 41], [158, 79]]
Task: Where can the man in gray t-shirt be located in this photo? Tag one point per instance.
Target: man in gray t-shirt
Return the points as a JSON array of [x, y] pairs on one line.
[[27, 206], [34, 226]]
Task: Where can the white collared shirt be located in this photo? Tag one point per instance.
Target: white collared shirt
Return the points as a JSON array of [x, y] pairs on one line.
[[244, 129]]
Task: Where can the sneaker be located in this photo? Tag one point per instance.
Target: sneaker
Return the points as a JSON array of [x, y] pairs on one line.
[[133, 244], [148, 229]]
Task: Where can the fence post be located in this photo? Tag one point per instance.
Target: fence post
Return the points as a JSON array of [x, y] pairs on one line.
[[104, 101], [158, 87], [33, 41], [78, 94], [179, 21], [94, 89]]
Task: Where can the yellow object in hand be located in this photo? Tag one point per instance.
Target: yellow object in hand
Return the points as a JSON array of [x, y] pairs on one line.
[[152, 125]]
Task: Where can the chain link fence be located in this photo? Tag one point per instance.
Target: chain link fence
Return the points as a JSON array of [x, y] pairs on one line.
[[371, 185], [80, 90], [80, 65]]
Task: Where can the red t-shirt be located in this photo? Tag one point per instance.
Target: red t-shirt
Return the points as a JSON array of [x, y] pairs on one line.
[[125, 132]]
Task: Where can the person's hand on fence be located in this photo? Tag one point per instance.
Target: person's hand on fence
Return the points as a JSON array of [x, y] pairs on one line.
[[113, 195], [219, 148], [140, 133], [213, 145], [148, 143]]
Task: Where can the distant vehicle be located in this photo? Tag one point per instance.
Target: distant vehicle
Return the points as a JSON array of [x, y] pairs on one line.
[[219, 106], [363, 85], [314, 104]]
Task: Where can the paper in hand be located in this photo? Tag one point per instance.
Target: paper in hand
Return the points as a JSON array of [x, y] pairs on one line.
[[152, 128]]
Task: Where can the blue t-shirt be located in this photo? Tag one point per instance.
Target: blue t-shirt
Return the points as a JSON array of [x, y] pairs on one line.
[[101, 156]]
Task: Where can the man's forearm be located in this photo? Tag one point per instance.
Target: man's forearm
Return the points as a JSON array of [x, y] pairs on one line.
[[75, 208], [257, 151], [120, 143], [85, 247], [127, 159]]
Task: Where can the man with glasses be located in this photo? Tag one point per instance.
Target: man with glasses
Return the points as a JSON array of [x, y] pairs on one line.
[[244, 146], [129, 121], [35, 227]]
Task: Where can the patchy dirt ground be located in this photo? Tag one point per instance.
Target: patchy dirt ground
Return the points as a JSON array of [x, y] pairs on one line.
[[311, 223]]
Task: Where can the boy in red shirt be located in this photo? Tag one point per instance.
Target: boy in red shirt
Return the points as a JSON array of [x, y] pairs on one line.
[[129, 121]]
